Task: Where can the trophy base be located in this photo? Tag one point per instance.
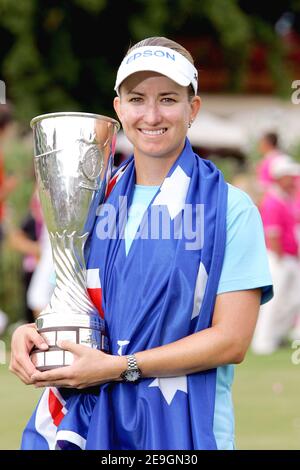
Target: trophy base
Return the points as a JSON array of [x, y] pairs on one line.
[[53, 358], [87, 330]]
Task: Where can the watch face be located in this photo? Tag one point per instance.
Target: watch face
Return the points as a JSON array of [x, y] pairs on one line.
[[132, 375]]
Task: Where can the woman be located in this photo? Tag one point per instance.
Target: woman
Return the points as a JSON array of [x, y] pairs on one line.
[[179, 309]]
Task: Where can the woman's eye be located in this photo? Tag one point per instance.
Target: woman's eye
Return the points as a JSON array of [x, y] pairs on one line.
[[168, 100], [135, 99]]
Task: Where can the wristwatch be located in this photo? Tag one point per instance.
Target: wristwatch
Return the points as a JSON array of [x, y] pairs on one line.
[[132, 373]]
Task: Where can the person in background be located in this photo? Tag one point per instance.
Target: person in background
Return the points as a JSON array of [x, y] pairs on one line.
[[7, 186], [7, 183], [42, 282], [25, 239], [279, 219], [269, 148]]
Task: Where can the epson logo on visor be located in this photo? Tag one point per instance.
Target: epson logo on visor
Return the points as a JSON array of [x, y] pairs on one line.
[[158, 59], [149, 53]]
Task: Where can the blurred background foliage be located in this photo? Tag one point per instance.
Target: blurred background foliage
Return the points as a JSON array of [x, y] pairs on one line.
[[63, 54]]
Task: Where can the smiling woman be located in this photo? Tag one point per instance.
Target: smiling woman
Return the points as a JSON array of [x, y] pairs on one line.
[[155, 113], [157, 101], [177, 314]]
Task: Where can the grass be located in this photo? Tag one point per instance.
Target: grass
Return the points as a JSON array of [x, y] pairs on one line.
[[17, 402], [266, 398], [266, 393]]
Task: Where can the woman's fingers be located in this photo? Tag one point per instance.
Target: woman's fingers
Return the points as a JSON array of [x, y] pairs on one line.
[[23, 340], [19, 370], [37, 340], [24, 365], [52, 376]]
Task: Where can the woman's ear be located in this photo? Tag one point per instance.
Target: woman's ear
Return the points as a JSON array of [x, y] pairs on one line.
[[195, 105], [116, 104]]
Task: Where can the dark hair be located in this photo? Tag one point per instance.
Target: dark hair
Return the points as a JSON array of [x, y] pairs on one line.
[[5, 116], [165, 42], [272, 138]]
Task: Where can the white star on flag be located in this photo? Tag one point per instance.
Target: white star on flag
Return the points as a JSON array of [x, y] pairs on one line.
[[169, 386], [173, 192], [199, 290], [122, 343]]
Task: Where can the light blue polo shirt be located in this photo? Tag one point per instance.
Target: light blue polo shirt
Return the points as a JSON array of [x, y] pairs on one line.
[[245, 266]]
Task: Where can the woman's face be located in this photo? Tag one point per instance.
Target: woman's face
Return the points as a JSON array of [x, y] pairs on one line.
[[155, 113]]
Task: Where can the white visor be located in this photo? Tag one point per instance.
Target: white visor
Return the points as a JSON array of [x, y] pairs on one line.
[[284, 165], [158, 59]]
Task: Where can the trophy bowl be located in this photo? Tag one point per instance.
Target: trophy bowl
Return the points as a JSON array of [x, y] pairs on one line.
[[73, 159]]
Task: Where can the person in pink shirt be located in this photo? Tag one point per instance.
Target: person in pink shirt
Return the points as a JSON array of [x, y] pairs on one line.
[[268, 146], [277, 210]]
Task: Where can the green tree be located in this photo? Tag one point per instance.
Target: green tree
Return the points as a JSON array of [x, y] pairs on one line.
[[63, 54]]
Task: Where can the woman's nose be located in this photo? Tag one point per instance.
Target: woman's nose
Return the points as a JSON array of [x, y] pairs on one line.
[[152, 115]]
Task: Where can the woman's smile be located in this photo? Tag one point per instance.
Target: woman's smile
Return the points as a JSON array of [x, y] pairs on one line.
[[154, 132]]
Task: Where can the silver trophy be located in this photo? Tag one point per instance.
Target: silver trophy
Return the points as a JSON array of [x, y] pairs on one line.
[[73, 161]]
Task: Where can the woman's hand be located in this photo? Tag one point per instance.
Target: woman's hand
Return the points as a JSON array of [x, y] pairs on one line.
[[90, 367], [23, 340]]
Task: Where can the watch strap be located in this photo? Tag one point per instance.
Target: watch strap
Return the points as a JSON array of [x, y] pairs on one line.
[[131, 362]]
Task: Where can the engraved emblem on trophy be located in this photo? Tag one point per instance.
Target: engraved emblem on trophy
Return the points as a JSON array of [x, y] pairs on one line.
[[73, 160]]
